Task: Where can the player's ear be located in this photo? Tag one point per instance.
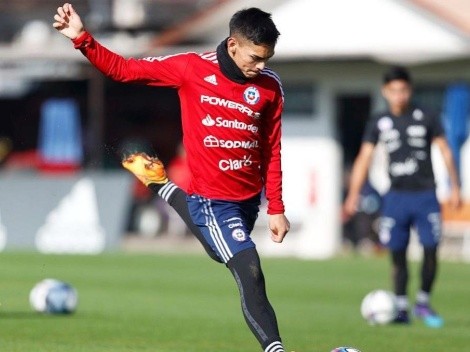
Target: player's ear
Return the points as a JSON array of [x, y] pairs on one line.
[[232, 45]]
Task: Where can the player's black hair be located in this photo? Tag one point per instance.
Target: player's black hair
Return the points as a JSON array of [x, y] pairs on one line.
[[397, 73], [255, 25]]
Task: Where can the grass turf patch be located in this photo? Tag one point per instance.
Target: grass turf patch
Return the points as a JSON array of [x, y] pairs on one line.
[[136, 302]]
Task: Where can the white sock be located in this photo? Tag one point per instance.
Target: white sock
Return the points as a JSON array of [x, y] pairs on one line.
[[402, 302], [276, 346], [422, 297]]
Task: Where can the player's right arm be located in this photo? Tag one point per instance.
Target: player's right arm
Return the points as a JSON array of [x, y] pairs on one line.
[[455, 199], [359, 174], [158, 71]]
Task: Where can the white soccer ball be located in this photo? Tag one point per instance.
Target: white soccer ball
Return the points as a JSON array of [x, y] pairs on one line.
[[54, 297], [379, 307], [345, 349]]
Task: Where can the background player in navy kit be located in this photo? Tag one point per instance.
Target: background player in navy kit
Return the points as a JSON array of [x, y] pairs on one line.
[[230, 163], [407, 132]]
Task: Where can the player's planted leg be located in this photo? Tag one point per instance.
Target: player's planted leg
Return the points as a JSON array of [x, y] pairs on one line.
[[400, 280], [258, 312]]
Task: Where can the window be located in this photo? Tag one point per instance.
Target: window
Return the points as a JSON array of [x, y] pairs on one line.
[[431, 97], [299, 100]]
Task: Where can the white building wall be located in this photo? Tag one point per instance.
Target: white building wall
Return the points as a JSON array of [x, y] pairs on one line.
[[330, 80]]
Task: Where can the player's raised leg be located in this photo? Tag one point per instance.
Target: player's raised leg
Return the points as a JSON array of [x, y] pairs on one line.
[[151, 172]]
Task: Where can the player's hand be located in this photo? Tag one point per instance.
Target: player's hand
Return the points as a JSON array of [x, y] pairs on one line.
[[279, 227], [455, 200], [349, 208], [68, 22]]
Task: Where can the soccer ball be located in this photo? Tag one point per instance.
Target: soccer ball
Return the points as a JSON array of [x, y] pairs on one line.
[[54, 297], [345, 349], [379, 307]]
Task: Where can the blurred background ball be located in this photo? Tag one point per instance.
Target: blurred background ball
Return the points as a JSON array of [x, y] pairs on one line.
[[54, 297], [379, 307], [345, 349]]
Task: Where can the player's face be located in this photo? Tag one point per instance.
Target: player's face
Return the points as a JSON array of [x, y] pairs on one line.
[[397, 93], [249, 57]]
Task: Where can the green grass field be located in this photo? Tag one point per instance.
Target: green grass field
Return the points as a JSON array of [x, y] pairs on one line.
[[169, 303]]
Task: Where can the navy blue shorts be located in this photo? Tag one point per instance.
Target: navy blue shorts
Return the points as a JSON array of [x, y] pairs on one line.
[[401, 210], [225, 225]]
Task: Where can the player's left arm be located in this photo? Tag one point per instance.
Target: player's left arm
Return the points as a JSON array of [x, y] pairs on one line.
[[270, 141], [271, 168], [455, 198]]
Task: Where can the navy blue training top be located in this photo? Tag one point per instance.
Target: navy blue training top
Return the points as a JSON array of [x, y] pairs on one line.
[[407, 139]]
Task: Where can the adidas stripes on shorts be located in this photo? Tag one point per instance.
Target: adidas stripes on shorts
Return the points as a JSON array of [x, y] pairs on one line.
[[225, 225]]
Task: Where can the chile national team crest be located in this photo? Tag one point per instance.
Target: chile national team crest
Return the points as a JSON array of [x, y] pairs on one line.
[[251, 95]]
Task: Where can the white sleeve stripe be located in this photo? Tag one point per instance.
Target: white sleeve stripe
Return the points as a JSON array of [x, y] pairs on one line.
[[212, 56], [162, 58]]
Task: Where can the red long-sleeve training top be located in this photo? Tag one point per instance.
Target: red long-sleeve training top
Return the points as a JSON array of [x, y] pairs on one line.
[[231, 130]]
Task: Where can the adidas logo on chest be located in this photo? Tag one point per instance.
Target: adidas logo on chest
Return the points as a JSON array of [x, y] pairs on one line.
[[211, 79]]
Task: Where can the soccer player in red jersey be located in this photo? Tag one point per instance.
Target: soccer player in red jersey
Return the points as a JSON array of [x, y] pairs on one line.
[[231, 106]]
